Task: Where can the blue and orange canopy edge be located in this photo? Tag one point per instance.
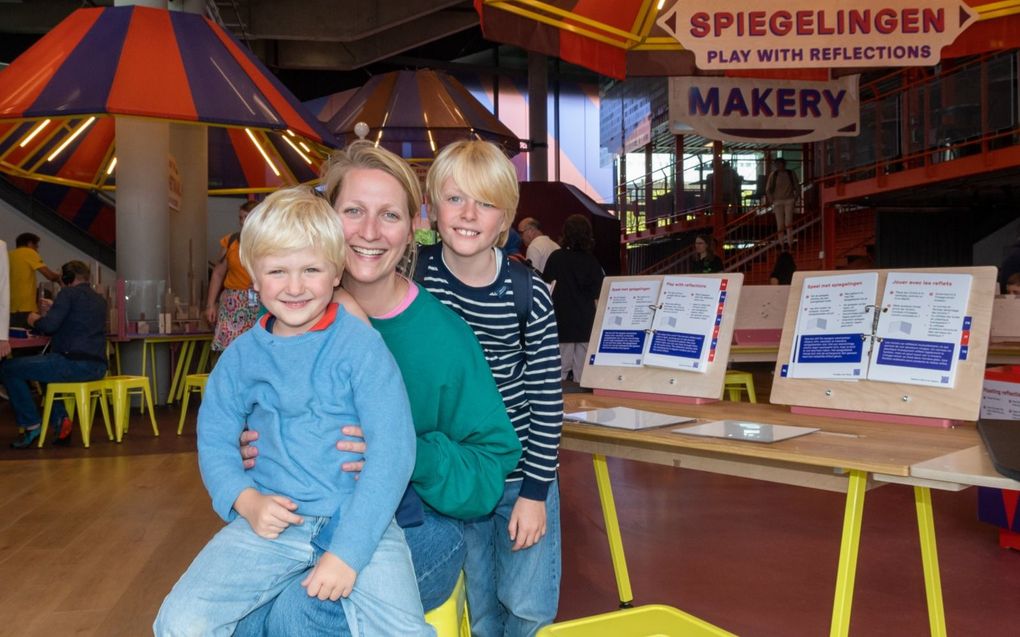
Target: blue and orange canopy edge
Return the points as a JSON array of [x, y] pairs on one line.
[[58, 99], [620, 39]]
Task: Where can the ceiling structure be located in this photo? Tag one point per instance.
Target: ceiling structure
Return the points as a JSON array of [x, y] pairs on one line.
[[315, 47]]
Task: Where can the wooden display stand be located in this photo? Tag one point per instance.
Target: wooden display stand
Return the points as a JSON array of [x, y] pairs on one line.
[[658, 383], [893, 402]]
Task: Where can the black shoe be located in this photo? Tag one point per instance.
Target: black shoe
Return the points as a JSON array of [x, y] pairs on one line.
[[27, 438]]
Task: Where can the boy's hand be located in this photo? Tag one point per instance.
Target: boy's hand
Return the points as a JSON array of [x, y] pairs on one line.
[[268, 515], [352, 446], [249, 452], [331, 578], [527, 523]]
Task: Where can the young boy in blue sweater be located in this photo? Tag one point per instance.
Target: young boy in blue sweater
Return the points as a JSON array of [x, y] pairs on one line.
[[513, 554], [303, 372]]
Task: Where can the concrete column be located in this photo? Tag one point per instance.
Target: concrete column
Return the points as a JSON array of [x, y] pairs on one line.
[[538, 124], [189, 145], [143, 148]]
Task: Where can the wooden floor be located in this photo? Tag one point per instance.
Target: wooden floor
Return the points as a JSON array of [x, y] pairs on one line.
[[91, 541]]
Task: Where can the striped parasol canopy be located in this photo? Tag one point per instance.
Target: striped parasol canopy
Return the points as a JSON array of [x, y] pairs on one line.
[[416, 113], [57, 100]]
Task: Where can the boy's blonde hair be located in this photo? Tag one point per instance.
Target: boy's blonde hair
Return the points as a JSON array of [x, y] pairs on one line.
[[483, 171], [364, 154], [292, 219]]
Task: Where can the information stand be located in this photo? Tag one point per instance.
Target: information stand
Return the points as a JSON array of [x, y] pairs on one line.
[[654, 381], [898, 402]]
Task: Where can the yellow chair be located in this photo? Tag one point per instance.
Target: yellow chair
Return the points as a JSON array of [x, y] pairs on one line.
[[451, 618], [78, 395], [192, 383], [654, 620], [120, 387], [737, 382]]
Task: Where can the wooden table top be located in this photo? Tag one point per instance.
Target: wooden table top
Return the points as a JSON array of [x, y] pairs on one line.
[[875, 447]]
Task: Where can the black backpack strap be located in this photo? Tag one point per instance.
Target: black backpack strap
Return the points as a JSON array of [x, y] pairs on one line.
[[421, 264], [230, 241], [520, 281]]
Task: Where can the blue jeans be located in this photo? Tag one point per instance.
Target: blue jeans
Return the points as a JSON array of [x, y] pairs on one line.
[[45, 368], [512, 593], [238, 571], [437, 551]]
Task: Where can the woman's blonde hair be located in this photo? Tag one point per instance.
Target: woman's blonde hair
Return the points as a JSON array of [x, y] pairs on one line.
[[364, 154], [292, 219], [482, 170]]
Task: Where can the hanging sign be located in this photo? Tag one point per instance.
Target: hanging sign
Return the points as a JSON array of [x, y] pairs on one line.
[[760, 110], [728, 34]]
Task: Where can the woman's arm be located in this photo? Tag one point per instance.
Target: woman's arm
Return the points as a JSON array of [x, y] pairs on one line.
[[219, 273]]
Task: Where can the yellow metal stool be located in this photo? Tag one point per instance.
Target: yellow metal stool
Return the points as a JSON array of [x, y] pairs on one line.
[[451, 618], [737, 382], [120, 387], [654, 620], [192, 383], [78, 395]]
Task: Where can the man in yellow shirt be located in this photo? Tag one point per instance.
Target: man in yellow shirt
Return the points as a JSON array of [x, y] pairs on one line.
[[24, 262]]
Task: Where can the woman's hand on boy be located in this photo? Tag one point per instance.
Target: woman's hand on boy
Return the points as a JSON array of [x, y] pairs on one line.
[[331, 578], [352, 446], [248, 452], [527, 523], [268, 515]]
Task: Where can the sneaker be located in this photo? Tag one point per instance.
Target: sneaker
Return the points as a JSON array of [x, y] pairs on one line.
[[64, 434], [27, 438]]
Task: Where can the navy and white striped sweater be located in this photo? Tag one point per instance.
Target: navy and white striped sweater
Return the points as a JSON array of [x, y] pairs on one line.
[[528, 378]]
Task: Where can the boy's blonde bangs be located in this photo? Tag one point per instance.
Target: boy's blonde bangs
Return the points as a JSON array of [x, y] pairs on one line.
[[483, 171], [288, 220]]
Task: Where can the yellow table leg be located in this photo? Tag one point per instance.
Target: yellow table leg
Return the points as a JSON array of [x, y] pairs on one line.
[[856, 488], [613, 531], [930, 560], [180, 369], [203, 358]]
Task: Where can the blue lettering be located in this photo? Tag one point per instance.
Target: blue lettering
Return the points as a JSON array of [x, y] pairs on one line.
[[834, 101], [735, 103], [697, 105], [786, 101], [759, 102], [809, 99]]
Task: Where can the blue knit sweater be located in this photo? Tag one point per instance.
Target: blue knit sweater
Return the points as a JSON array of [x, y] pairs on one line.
[[297, 392]]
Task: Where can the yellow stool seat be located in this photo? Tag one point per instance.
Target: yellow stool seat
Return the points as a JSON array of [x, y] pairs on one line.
[[451, 618], [120, 387], [737, 382], [192, 383], [654, 620], [80, 395]]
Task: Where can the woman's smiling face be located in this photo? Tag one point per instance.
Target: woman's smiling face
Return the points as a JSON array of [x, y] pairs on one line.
[[377, 224]]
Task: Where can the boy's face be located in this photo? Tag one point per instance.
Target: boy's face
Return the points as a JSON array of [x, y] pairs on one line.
[[377, 225], [296, 287], [1013, 288], [468, 227]]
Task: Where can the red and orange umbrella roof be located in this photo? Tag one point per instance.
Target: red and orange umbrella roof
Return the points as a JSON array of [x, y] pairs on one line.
[[56, 100]]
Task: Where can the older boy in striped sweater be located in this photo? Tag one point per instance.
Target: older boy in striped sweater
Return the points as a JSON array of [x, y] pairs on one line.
[[513, 554]]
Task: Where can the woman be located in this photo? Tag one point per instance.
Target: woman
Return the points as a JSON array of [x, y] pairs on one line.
[[236, 311], [704, 260], [575, 276], [466, 445]]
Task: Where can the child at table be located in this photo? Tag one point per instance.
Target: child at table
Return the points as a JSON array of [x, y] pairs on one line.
[[513, 554], [306, 369]]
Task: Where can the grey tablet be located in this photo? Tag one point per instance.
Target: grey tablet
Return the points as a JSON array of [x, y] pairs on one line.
[[626, 418], [745, 430]]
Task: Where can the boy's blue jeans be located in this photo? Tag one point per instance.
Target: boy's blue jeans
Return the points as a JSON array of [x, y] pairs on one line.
[[512, 593], [238, 571], [437, 551], [44, 368]]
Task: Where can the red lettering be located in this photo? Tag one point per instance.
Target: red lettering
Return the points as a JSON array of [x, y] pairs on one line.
[[723, 21], [909, 19], [885, 21], [756, 23], [934, 20], [779, 23], [699, 25], [860, 21], [805, 22], [823, 29]]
